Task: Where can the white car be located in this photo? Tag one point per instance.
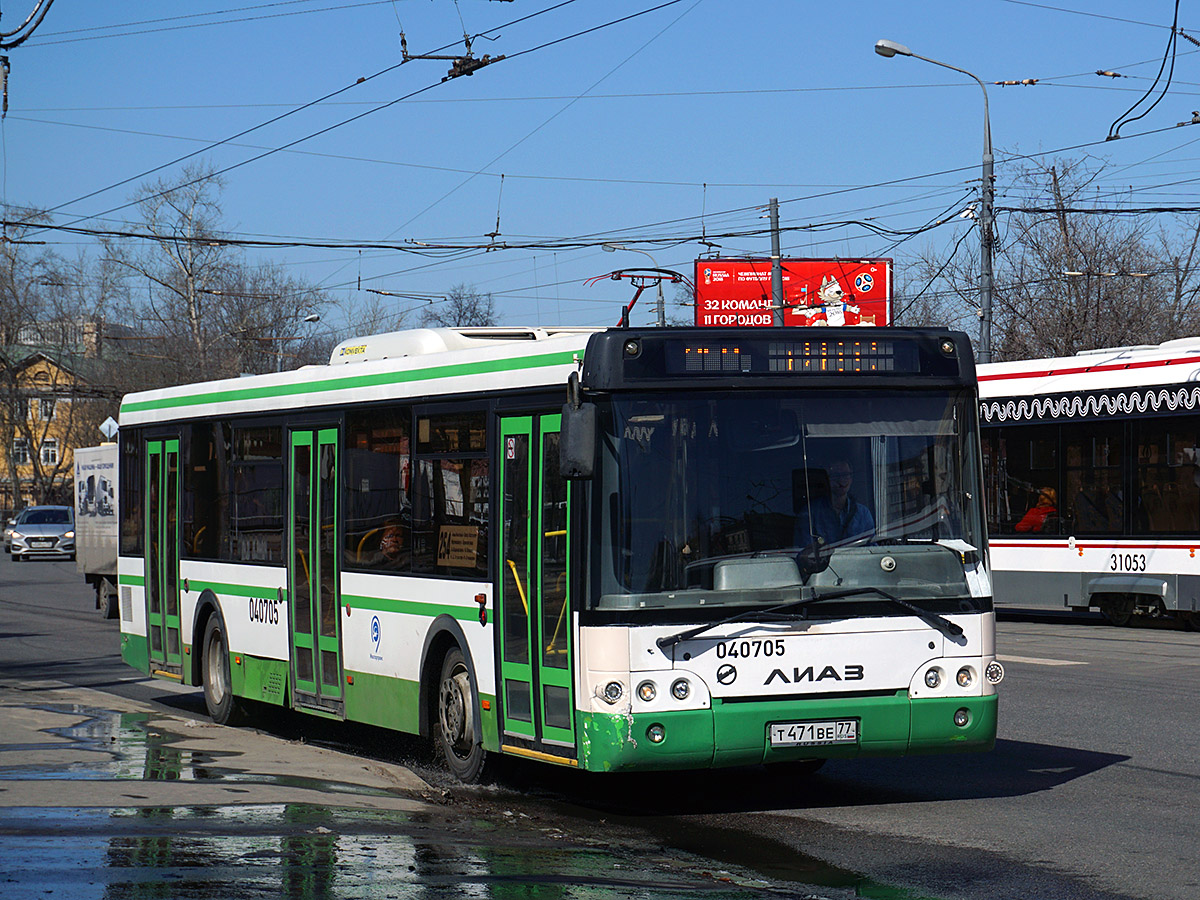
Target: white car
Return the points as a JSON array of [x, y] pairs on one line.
[[43, 531], [8, 529]]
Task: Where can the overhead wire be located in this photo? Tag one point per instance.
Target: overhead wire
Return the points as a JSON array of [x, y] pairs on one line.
[[98, 37], [214, 145], [1114, 130]]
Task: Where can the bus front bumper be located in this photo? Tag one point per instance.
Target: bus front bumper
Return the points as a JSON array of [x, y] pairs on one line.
[[737, 734]]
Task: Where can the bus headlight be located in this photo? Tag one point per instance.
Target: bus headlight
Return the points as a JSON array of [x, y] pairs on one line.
[[933, 677], [681, 689], [994, 672], [965, 677], [656, 733], [647, 691], [962, 717], [612, 692]]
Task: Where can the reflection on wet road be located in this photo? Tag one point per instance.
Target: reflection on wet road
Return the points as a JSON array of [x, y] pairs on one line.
[[476, 847]]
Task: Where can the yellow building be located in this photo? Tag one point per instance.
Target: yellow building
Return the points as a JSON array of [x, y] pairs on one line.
[[50, 403]]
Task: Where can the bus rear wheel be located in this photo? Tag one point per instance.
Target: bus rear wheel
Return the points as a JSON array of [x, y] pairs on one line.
[[222, 705], [460, 745]]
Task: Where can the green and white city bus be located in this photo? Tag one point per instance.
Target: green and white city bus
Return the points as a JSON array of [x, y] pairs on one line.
[[423, 536]]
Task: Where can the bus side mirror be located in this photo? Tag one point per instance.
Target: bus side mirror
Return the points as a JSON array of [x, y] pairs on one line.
[[577, 446]]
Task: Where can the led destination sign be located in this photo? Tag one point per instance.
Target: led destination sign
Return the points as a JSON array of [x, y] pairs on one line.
[[621, 358], [817, 357]]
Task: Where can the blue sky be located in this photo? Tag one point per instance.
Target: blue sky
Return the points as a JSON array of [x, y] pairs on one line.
[[652, 131]]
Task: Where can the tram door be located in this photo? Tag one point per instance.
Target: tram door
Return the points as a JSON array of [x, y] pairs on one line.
[[533, 611], [162, 556], [313, 575]]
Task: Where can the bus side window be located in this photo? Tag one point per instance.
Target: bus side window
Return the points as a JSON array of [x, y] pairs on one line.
[[376, 465]]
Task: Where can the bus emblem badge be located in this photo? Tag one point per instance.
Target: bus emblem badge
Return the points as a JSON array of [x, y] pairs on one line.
[[376, 634], [726, 674]]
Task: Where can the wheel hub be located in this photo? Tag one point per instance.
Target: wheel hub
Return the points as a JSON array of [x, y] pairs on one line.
[[453, 708]]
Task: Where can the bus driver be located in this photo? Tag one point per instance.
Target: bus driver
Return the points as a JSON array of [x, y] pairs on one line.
[[839, 517]]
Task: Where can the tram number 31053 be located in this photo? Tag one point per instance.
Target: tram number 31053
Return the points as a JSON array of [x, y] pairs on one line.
[[1127, 562]]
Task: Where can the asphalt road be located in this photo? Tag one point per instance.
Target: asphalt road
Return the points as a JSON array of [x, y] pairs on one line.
[[1092, 791]]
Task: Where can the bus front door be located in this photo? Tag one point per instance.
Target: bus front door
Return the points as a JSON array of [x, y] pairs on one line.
[[313, 575], [162, 557], [533, 610]]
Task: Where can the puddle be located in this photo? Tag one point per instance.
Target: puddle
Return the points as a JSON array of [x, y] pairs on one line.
[[303, 851], [134, 746], [296, 850]]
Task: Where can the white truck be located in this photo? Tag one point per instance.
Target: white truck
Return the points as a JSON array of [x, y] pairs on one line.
[[96, 521]]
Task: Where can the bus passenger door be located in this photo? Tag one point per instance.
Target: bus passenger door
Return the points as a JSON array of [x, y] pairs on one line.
[[162, 557], [313, 574], [534, 614]]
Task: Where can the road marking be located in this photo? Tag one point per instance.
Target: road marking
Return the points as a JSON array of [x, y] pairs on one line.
[[1037, 661]]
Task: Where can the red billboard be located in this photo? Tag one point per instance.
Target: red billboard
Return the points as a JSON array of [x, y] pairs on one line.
[[815, 292]]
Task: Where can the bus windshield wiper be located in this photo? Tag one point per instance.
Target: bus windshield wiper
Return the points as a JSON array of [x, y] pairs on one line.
[[672, 640], [943, 624]]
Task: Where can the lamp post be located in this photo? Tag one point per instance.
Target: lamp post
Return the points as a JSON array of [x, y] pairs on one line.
[[891, 48], [244, 334], [662, 309], [310, 318]]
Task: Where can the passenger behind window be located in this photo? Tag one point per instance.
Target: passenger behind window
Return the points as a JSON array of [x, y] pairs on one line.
[[1043, 512]]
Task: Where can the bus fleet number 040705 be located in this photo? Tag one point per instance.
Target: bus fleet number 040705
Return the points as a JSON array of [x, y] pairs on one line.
[[750, 649]]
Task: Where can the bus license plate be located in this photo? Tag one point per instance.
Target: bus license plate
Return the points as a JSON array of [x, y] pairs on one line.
[[813, 734]]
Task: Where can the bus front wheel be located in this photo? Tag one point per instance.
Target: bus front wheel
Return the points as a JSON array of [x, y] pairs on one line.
[[460, 745], [222, 705]]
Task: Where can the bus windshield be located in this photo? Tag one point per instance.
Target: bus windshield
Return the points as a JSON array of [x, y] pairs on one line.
[[746, 496]]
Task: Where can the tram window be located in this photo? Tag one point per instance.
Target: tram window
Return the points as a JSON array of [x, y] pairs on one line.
[[1167, 497], [1023, 472], [1093, 458]]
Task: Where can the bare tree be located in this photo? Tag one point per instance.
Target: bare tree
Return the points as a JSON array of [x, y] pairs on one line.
[[463, 307], [183, 267], [1066, 280], [199, 309], [53, 379], [268, 315], [364, 313]]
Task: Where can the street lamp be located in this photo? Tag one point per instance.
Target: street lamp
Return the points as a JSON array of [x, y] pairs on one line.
[[311, 317], [662, 309], [891, 48]]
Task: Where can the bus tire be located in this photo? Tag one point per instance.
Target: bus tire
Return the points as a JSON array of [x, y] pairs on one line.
[[222, 705], [461, 747]]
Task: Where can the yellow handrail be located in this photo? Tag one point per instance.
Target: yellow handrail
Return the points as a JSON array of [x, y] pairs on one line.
[[520, 589], [358, 550], [560, 585]]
